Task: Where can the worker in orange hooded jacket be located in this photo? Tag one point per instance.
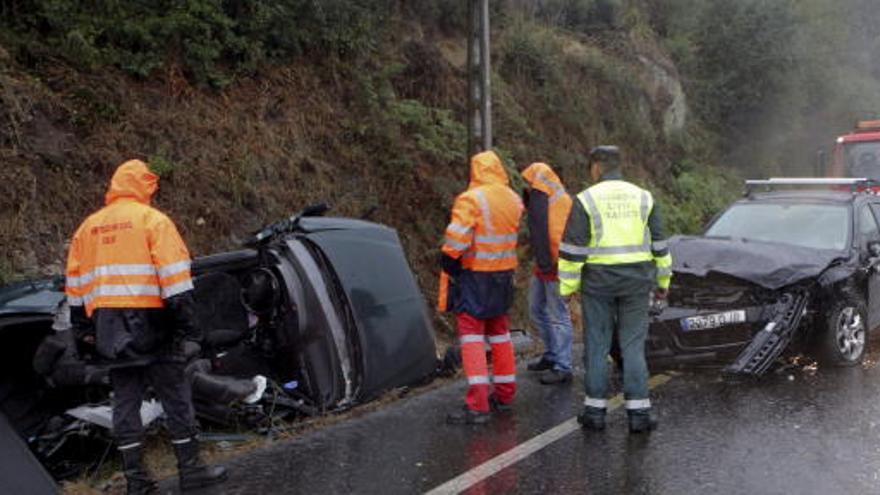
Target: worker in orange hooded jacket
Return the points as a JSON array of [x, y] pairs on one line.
[[548, 206], [479, 260], [130, 291]]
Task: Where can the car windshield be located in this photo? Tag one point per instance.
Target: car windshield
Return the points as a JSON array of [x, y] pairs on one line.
[[863, 159], [808, 225]]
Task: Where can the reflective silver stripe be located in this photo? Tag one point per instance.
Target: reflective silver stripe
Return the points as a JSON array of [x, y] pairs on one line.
[[499, 339], [495, 239], [600, 403], [664, 272], [558, 191], [452, 243], [121, 290], [174, 268], [643, 209], [74, 301], [129, 446], [478, 380], [595, 217], [504, 378], [638, 404], [472, 339], [660, 246], [458, 228], [618, 250], [492, 256], [565, 275], [178, 288], [484, 207], [181, 441], [111, 270], [573, 250]]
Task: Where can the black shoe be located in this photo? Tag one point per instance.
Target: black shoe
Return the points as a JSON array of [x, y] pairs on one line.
[[466, 416], [192, 471], [540, 365], [554, 377], [641, 421], [592, 418], [138, 481], [498, 406]]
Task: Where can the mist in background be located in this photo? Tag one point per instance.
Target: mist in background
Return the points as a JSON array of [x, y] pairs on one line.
[[773, 81]]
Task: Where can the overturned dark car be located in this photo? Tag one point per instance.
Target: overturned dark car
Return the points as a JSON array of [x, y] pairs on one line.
[[316, 315], [777, 273]]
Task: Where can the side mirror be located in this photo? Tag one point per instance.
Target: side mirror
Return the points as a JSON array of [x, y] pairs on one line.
[[821, 168]]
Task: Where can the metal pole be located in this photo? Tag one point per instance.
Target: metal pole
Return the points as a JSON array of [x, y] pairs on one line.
[[485, 76], [479, 75], [473, 97]]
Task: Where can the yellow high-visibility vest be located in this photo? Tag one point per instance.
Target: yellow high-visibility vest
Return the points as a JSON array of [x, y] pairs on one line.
[[619, 233]]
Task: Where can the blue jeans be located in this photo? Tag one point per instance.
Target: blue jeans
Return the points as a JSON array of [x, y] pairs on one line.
[[549, 313], [629, 314]]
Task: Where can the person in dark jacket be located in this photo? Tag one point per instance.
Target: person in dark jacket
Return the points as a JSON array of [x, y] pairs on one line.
[[615, 254], [129, 289], [547, 209]]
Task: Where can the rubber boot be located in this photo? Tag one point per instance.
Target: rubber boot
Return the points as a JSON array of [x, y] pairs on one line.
[[193, 472], [641, 420], [466, 416], [592, 418], [137, 479]]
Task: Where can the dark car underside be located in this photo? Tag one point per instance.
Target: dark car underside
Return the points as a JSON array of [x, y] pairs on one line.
[[325, 310]]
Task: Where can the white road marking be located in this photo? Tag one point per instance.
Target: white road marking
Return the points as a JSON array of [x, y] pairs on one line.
[[525, 449]]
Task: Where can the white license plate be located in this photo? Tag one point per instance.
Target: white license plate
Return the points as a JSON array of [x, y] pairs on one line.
[[716, 320]]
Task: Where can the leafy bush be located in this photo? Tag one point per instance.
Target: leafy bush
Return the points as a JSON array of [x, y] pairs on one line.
[[435, 132], [695, 195], [531, 54], [211, 39]]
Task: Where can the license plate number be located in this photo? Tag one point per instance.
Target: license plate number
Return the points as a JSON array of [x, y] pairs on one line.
[[717, 320]]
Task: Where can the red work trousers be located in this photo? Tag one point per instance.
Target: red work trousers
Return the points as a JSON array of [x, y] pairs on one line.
[[473, 334]]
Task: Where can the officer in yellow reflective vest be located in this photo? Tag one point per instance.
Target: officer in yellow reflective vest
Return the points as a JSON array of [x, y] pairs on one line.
[[614, 252]]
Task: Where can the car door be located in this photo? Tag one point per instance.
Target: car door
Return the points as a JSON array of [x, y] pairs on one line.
[[869, 231]]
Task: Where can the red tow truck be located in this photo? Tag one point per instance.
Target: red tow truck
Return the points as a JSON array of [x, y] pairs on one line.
[[857, 154]]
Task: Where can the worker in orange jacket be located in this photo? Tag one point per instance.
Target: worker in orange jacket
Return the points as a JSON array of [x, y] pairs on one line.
[[130, 292], [479, 260], [548, 206]]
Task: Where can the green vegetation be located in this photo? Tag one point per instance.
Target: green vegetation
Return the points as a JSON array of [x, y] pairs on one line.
[[775, 80], [213, 40], [250, 109], [695, 194]]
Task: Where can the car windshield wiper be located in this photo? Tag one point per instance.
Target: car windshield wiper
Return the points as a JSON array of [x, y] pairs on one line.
[[287, 225]]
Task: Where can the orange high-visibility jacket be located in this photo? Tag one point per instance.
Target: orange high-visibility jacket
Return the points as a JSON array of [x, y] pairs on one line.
[[127, 254], [541, 177], [485, 219], [485, 222]]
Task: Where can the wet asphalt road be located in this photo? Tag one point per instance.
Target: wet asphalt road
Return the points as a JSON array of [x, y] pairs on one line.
[[795, 432]]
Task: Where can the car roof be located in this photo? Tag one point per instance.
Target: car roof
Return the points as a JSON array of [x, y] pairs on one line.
[[812, 196]]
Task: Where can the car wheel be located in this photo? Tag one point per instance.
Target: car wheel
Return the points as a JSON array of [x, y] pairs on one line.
[[845, 337]]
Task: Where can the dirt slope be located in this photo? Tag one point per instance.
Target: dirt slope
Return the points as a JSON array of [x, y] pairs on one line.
[[385, 133]]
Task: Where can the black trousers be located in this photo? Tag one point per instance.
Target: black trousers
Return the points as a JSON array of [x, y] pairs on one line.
[[172, 389]]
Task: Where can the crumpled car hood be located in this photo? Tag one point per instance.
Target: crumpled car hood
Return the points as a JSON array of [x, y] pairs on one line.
[[769, 265]]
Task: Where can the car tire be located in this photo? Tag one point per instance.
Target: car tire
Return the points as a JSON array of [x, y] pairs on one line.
[[844, 338]]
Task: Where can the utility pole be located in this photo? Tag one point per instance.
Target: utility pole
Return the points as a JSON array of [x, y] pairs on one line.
[[479, 76]]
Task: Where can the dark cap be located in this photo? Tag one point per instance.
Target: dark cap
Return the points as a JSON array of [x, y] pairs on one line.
[[606, 154]]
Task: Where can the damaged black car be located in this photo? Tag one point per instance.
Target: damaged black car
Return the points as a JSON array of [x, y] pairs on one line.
[[777, 273], [317, 314]]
